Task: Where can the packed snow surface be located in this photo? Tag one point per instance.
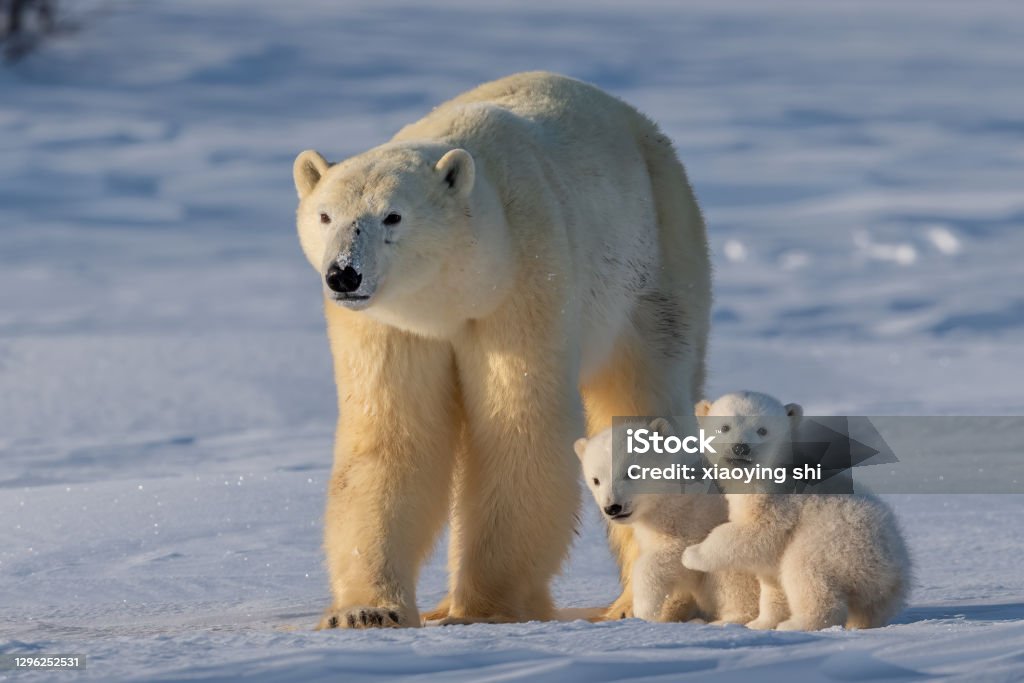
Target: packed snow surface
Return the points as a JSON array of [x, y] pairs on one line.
[[166, 401]]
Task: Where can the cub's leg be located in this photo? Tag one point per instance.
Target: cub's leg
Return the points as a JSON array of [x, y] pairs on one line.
[[662, 590], [387, 496], [814, 601], [680, 606], [735, 596], [773, 606]]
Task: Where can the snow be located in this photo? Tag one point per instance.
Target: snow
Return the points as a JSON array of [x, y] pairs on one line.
[[166, 404]]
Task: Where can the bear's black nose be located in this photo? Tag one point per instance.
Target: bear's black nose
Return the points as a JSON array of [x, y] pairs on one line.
[[343, 280], [613, 509], [740, 449]]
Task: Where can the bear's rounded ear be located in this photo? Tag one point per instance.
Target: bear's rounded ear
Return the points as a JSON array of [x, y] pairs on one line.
[[580, 446], [307, 170], [661, 426], [795, 411], [702, 408], [458, 171]]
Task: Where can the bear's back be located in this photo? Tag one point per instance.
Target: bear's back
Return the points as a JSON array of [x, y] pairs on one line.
[[536, 107]]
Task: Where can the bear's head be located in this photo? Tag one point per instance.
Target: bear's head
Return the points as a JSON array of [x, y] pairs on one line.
[[750, 428], [389, 230]]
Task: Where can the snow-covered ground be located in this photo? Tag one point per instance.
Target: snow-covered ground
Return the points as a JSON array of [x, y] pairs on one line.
[[166, 404]]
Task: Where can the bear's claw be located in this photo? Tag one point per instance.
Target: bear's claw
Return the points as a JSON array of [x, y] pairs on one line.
[[362, 617]]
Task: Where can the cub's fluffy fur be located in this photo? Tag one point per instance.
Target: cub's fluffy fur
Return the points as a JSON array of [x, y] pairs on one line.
[[822, 559], [663, 525]]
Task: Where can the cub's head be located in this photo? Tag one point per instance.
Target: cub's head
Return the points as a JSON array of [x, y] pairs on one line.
[[380, 227], [749, 428], [607, 479]]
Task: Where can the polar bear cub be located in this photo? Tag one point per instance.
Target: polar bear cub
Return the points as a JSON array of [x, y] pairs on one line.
[[821, 559], [663, 526]]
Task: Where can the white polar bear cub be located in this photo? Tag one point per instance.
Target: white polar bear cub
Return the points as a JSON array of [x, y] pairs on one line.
[[663, 526], [822, 559]]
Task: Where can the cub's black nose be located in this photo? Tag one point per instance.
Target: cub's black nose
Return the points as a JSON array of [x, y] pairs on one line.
[[613, 509], [342, 280], [740, 449]]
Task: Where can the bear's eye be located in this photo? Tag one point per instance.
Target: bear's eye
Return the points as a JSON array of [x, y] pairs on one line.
[[325, 219], [392, 219], [596, 482], [761, 431], [723, 429]]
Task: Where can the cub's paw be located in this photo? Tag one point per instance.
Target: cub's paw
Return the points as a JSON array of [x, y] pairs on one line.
[[694, 558], [364, 616]]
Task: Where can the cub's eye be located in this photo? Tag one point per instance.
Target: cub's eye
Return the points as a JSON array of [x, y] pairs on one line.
[[596, 482], [723, 429], [761, 431], [325, 219], [392, 219]]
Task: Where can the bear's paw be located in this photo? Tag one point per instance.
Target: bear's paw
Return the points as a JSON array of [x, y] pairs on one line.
[[363, 616]]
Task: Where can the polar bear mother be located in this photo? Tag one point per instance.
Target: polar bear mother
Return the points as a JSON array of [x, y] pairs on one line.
[[528, 253]]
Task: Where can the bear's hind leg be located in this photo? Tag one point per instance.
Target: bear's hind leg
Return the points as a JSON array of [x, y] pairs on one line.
[[439, 612], [643, 376]]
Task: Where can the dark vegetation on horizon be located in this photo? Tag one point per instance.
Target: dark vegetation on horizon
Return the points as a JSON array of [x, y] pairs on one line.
[[25, 24]]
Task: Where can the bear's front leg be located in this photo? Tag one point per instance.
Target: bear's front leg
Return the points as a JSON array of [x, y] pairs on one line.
[[388, 492], [518, 490]]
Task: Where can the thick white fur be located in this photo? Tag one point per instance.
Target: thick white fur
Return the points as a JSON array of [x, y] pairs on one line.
[[822, 559], [550, 257], [663, 526]]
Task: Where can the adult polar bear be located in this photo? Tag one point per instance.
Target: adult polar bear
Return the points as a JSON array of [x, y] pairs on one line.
[[532, 242]]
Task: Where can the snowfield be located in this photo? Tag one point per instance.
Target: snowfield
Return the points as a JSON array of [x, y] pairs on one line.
[[166, 401]]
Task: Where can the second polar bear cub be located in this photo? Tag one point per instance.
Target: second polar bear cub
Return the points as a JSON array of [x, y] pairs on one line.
[[664, 524], [822, 559]]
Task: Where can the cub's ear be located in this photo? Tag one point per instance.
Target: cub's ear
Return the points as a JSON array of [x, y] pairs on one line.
[[702, 408], [662, 426], [580, 447], [458, 171], [307, 170], [795, 411]]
